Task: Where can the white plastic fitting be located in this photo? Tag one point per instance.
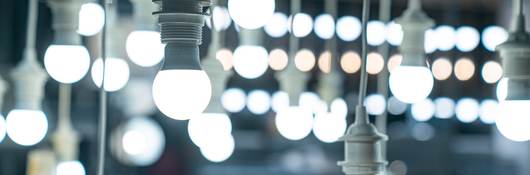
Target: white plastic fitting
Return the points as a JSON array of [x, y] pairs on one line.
[[414, 23], [29, 78], [66, 21]]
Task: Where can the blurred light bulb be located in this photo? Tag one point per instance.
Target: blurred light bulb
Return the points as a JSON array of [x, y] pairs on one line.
[[339, 107], [442, 69], [396, 107], [277, 25], [324, 62], [464, 69], [375, 64], [375, 104], [145, 48], [309, 101], [329, 127], [394, 33], [208, 126], [430, 41], [181, 93], [280, 101], [376, 33], [226, 57], [219, 149], [278, 59], [445, 37], [304, 60], [251, 14], [302, 25], [394, 61], [492, 36], [221, 18], [423, 110], [489, 111], [70, 168], [233, 100], [513, 120], [258, 102], [491, 72], [250, 62], [91, 19], [348, 28], [26, 127], [142, 141], [294, 123], [445, 108], [67, 63], [467, 38], [116, 73], [411, 84], [502, 89], [350, 62], [324, 26], [467, 110]]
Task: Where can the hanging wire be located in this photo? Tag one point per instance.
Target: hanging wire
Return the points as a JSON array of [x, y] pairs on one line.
[[102, 128], [32, 24], [364, 77]]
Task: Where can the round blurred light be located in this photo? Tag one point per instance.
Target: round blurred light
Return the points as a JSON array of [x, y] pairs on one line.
[[280, 101], [445, 37], [67, 63], [394, 61], [70, 168], [513, 120], [442, 69], [116, 73], [397, 167], [467, 110], [226, 57], [302, 25], [2, 128], [309, 101], [91, 19], [489, 110], [339, 107], [464, 69], [219, 149], [430, 41], [304, 60], [492, 36], [348, 28], [324, 62], [396, 107], [294, 123], [376, 33], [251, 14], [492, 72], [277, 25], [221, 18], [411, 84], [423, 132], [375, 104], [376, 63], [143, 141], [26, 127], [329, 127], [394, 33], [250, 61], [208, 126], [350, 62], [145, 48], [423, 111], [502, 89], [278, 59], [233, 100], [467, 38], [445, 108], [324, 26], [258, 102]]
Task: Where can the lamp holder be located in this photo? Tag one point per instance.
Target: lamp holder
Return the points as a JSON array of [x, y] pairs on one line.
[[65, 21], [181, 23], [29, 78], [414, 23], [515, 52]]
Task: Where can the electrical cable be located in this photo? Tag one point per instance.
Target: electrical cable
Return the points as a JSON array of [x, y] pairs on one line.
[[32, 24], [364, 76]]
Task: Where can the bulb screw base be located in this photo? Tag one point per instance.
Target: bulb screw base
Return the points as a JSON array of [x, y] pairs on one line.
[[66, 21], [414, 23]]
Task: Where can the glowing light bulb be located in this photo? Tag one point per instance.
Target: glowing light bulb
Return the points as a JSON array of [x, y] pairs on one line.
[[376, 33], [492, 36], [251, 14], [394, 34], [70, 168], [116, 73], [2, 128], [142, 141], [91, 19], [445, 108], [251, 61], [348, 28], [489, 111], [467, 110], [208, 126], [411, 84], [301, 25], [375, 104], [294, 123], [258, 102], [396, 107], [423, 110], [180, 93], [26, 127], [445, 37], [221, 18], [329, 127], [144, 48], [277, 25], [324, 26], [219, 149], [280, 101], [467, 38], [233, 100], [513, 120], [67, 63]]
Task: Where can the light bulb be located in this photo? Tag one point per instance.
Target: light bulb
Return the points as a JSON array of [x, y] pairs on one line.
[[294, 123], [324, 26], [116, 73], [26, 127], [375, 104], [411, 84], [348, 28], [91, 19], [70, 168], [277, 25], [181, 94], [513, 120], [251, 61], [467, 110], [67, 63], [142, 141], [302, 25], [208, 126], [329, 127], [251, 14], [445, 108], [258, 102], [221, 18], [2, 128], [219, 149], [144, 48], [279, 101], [423, 111]]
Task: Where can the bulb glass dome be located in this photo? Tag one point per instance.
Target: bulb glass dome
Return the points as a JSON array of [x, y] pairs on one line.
[[233, 100], [329, 127], [502, 89], [70, 168], [375, 104], [446, 37], [251, 14], [324, 26], [144, 48], [467, 38], [394, 33], [116, 73], [423, 111], [348, 28], [294, 123], [67, 63], [91, 19], [221, 18], [302, 25], [219, 149], [258, 102], [339, 107], [143, 141], [376, 33], [411, 84], [491, 72], [251, 62], [181, 94], [467, 110], [26, 127], [492, 36], [513, 120], [209, 126], [277, 25]]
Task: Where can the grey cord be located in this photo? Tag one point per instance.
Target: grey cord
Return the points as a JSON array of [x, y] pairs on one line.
[[102, 128], [64, 104], [364, 77], [32, 24]]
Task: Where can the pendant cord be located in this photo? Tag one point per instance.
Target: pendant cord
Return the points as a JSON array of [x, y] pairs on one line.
[[364, 76], [32, 24], [102, 128], [65, 92]]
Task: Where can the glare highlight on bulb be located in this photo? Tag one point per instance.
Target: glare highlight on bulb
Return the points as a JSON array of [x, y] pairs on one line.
[[348, 28], [411, 84], [67, 63]]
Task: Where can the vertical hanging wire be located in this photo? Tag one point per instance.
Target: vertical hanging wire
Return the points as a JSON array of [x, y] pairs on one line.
[[382, 78], [65, 92], [32, 24], [102, 128], [364, 77]]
